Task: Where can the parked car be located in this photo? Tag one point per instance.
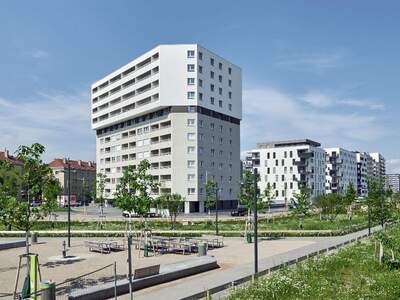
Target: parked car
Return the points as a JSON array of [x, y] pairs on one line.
[[240, 211], [126, 214]]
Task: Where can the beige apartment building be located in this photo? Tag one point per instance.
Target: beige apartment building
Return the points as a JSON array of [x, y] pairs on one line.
[[83, 178]]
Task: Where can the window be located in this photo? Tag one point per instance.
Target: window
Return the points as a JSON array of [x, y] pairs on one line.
[[230, 95], [190, 81], [191, 191], [212, 100], [220, 78], [191, 177], [200, 96], [201, 123], [201, 55], [212, 61], [200, 83], [212, 74], [190, 149], [230, 82], [191, 164], [190, 122], [230, 70], [191, 136], [212, 152], [212, 126], [221, 128], [190, 95], [220, 66], [200, 69], [212, 87], [190, 53], [220, 103], [273, 155], [220, 91], [192, 109], [190, 68], [230, 106]]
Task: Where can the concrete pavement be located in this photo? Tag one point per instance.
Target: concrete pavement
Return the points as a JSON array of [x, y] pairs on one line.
[[194, 287]]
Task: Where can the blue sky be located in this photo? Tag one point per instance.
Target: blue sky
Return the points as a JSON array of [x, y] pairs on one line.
[[326, 70]]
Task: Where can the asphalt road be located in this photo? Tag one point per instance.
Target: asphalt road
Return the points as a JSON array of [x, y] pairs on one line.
[[113, 213]]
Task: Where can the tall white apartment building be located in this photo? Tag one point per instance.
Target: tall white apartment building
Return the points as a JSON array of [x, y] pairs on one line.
[[392, 182], [288, 165], [364, 171], [341, 170], [179, 106], [378, 166]]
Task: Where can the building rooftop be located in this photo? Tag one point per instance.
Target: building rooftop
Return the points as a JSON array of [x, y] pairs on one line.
[[288, 143], [11, 159], [75, 164]]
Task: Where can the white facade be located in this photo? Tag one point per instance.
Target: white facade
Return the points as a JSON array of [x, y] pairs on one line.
[[288, 165], [179, 106], [392, 182], [379, 165], [341, 170]]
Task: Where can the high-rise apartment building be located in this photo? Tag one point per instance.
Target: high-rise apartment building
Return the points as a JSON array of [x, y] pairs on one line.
[[378, 166], [392, 182], [341, 170], [179, 106], [364, 172], [289, 165]]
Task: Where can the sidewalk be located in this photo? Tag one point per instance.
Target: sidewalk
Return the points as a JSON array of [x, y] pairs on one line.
[[195, 286]]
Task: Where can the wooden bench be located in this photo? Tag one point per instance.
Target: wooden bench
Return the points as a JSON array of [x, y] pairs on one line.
[[146, 272]]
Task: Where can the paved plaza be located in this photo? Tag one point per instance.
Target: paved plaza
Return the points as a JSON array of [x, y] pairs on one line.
[[235, 253]]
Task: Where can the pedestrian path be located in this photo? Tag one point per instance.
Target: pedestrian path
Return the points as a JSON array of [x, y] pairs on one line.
[[216, 281]]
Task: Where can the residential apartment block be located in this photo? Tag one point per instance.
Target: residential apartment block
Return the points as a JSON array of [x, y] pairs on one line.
[[378, 166], [179, 106], [341, 170], [392, 182], [289, 165], [83, 177], [364, 172]]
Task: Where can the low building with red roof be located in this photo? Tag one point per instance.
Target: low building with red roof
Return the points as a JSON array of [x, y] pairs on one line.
[[83, 178]]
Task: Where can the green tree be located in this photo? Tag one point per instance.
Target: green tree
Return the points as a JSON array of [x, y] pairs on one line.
[[349, 199], [330, 206], [301, 205], [174, 204], [133, 190], [100, 189], [10, 186], [211, 199], [38, 183], [379, 206], [246, 195], [268, 196]]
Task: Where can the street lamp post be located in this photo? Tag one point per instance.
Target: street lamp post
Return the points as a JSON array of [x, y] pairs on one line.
[[69, 203], [216, 209], [255, 222]]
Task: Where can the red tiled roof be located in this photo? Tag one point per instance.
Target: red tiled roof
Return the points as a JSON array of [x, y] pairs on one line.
[[75, 164], [10, 158]]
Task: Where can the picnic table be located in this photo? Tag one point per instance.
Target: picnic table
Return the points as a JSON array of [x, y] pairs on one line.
[[104, 246]]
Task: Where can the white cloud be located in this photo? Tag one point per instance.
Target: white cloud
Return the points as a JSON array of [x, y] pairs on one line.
[[271, 114], [38, 54], [318, 99], [393, 165], [311, 61], [59, 121]]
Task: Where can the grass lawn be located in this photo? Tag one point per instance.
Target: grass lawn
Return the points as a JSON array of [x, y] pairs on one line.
[[282, 223], [352, 273]]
